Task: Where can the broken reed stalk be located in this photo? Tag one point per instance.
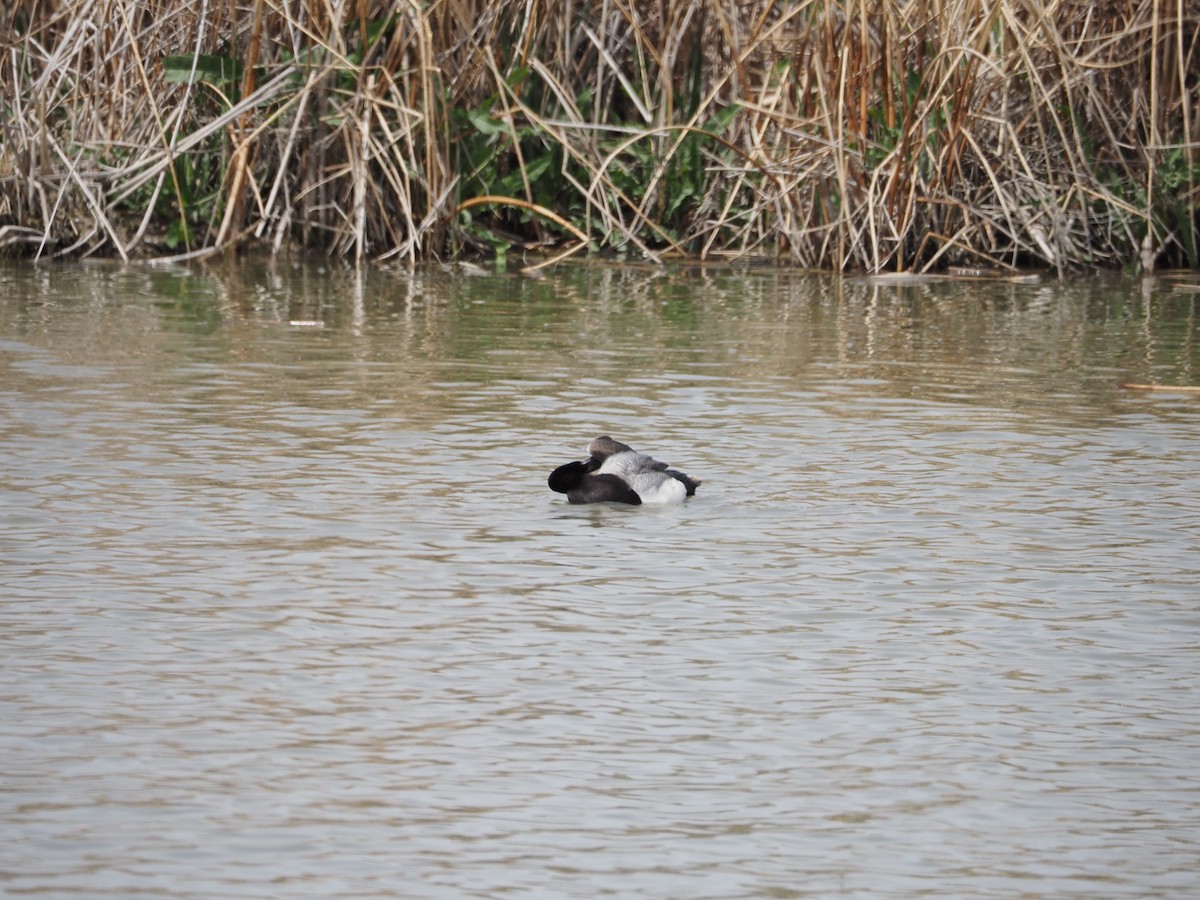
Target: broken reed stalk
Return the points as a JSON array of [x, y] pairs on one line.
[[837, 134], [1164, 388]]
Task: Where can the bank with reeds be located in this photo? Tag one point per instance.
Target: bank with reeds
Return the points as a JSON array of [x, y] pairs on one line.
[[837, 135]]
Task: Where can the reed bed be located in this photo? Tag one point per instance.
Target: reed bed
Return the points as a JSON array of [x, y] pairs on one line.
[[852, 135]]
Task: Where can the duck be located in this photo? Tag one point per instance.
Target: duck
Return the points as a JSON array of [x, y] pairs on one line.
[[615, 472]]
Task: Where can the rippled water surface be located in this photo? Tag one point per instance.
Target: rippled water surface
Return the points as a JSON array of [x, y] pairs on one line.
[[287, 609]]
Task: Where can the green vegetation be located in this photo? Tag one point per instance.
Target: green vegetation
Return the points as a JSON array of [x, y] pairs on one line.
[[826, 134]]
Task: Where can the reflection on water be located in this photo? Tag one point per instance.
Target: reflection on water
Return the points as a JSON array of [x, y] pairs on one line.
[[288, 610]]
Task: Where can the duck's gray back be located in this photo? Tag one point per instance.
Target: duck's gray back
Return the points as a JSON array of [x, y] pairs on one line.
[[628, 463]]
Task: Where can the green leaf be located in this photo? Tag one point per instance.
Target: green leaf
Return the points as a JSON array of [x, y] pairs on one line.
[[535, 169], [513, 183], [216, 70], [178, 234], [485, 124], [376, 27], [723, 118]]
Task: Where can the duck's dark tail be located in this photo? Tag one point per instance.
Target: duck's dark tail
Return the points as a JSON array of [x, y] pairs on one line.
[[690, 483]]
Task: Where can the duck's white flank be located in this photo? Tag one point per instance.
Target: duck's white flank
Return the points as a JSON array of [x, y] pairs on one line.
[[658, 487]]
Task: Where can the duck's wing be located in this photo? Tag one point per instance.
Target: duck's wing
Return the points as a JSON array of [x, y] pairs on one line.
[[647, 463], [605, 448], [628, 463]]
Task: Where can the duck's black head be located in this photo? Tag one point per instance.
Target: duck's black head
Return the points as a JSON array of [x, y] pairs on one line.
[[603, 447]]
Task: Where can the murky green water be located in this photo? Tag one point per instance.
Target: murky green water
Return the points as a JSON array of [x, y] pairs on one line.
[[287, 609]]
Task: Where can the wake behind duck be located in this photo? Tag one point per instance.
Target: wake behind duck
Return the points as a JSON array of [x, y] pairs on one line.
[[616, 473]]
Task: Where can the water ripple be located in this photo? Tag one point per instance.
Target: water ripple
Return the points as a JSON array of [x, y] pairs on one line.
[[291, 612]]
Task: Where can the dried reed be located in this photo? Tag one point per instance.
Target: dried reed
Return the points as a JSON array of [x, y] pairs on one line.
[[839, 135]]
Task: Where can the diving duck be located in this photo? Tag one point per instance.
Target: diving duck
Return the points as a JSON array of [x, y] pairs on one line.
[[616, 473]]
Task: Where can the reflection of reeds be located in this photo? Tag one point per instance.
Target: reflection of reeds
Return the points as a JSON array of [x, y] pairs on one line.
[[852, 134]]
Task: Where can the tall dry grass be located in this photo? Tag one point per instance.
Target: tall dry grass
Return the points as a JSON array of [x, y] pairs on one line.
[[842, 135]]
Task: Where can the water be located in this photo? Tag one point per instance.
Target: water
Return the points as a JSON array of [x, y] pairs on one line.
[[287, 609]]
